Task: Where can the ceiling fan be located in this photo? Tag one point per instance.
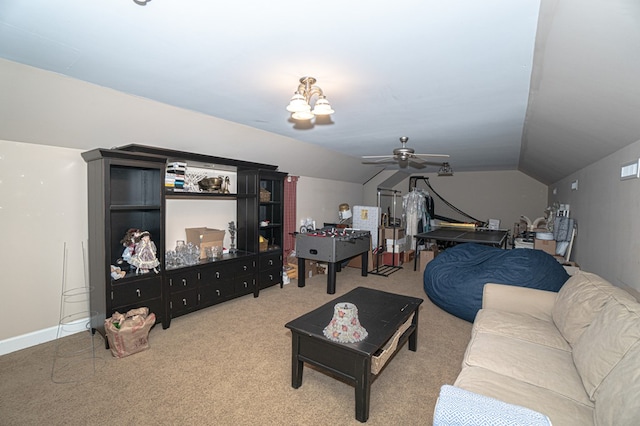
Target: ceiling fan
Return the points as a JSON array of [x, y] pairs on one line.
[[403, 156]]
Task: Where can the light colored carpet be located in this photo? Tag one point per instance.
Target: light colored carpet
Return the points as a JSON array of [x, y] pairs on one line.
[[230, 364]]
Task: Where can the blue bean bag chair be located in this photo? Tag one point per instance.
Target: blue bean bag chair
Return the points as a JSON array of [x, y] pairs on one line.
[[455, 278]]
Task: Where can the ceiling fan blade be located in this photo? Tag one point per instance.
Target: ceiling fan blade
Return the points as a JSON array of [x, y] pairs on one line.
[[417, 159], [381, 161], [417, 165], [377, 156], [432, 155]]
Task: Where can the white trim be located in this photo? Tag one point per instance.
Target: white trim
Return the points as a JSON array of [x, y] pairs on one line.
[[41, 336]]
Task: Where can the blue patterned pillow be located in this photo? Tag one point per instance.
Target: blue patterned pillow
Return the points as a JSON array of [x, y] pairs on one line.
[[456, 407]]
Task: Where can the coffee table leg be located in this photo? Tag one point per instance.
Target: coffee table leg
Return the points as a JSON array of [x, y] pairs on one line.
[[413, 338], [296, 364], [363, 390]]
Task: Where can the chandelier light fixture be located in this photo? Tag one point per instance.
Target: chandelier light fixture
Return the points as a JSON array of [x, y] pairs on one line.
[[300, 104], [445, 170]]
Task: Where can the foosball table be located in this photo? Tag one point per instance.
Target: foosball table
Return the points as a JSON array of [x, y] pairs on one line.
[[332, 245]]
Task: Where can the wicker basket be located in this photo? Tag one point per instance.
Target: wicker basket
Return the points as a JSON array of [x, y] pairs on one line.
[[264, 195]]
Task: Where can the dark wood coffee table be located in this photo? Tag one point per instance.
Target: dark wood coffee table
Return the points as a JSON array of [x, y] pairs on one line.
[[381, 314]]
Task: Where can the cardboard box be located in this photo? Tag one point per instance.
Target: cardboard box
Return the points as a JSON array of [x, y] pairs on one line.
[[571, 267], [291, 270], [387, 233], [548, 246], [389, 259], [409, 255], [356, 262], [205, 237], [310, 268], [426, 256]]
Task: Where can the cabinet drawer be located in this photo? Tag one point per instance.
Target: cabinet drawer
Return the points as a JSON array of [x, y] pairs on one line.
[[244, 266], [214, 293], [244, 285], [183, 280], [211, 274], [136, 291], [270, 261], [183, 301], [270, 277]]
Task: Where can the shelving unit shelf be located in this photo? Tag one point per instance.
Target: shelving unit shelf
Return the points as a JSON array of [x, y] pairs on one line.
[[127, 188]]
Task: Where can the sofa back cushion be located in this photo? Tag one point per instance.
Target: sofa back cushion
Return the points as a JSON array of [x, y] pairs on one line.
[[614, 332], [579, 300], [618, 396]]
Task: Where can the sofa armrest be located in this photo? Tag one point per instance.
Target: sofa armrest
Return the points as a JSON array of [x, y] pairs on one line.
[[524, 300]]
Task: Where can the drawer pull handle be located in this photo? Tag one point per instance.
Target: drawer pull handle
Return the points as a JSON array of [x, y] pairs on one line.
[[218, 292], [218, 274], [244, 267], [184, 302], [270, 277], [184, 282], [246, 284], [270, 262], [138, 292]]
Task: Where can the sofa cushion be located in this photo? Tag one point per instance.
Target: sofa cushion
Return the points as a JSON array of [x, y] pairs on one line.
[[532, 363], [618, 396], [579, 301], [562, 411], [520, 327], [612, 333]]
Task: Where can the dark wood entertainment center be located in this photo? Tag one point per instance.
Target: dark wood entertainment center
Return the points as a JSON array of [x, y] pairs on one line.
[[126, 189]]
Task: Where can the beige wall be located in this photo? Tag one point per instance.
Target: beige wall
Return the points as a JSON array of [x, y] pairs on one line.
[[319, 199], [46, 108], [43, 205], [606, 210]]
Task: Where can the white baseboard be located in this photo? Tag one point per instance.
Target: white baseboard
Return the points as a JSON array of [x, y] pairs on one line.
[[41, 336]]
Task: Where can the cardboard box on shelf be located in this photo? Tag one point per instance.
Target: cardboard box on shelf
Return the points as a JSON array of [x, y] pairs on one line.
[[398, 248], [548, 246], [387, 233], [212, 237]]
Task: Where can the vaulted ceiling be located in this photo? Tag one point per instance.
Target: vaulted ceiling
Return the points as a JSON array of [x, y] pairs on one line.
[[543, 86]]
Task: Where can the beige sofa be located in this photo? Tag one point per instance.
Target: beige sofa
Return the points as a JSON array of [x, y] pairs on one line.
[[573, 356]]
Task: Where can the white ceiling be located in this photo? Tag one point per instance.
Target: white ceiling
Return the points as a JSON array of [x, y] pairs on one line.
[[546, 87]]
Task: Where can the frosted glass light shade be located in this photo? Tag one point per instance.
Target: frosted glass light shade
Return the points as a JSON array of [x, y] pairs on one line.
[[298, 103], [322, 107], [303, 115]]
